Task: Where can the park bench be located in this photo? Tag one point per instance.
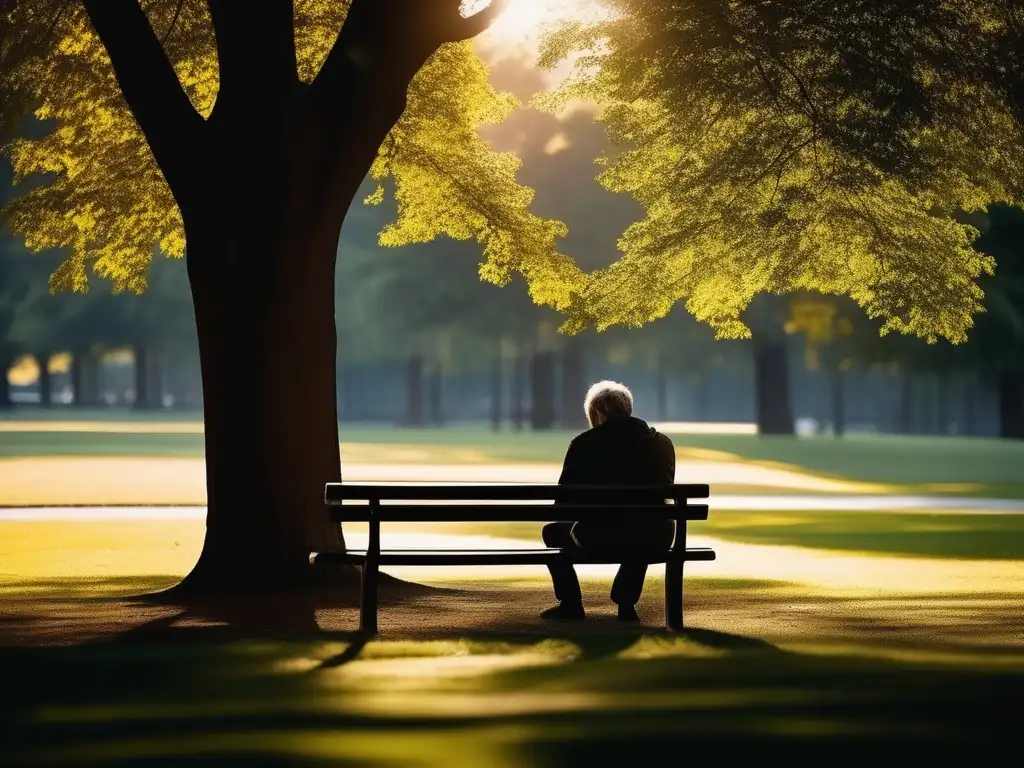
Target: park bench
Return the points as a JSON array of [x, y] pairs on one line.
[[377, 504]]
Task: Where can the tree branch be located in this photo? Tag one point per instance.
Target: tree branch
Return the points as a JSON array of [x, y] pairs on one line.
[[389, 40], [466, 28], [255, 46], [174, 22], [148, 82]]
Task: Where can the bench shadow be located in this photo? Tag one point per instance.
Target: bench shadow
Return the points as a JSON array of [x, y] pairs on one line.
[[726, 641]]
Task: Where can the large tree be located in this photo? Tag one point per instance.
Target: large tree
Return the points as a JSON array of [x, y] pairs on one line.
[[801, 145], [244, 130], [773, 146]]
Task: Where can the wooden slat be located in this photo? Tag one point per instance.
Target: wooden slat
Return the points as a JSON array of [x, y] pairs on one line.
[[335, 493], [454, 513], [492, 557]]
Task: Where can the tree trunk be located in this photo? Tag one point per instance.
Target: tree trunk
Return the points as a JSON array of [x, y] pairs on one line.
[[414, 391], [542, 391], [942, 404], [701, 393], [970, 406], [263, 185], [661, 388], [141, 370], [268, 367], [497, 391], [518, 376], [45, 380], [6, 361], [85, 378], [774, 412], [435, 393], [838, 392], [86, 371], [906, 413], [1011, 405], [76, 373], [574, 384]]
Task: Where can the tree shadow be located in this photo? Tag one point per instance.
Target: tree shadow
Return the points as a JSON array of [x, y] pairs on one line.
[[726, 641]]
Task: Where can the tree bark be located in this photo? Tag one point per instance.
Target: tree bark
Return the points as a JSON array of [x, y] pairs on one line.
[[773, 409], [45, 380], [414, 391], [1011, 405], [542, 391], [263, 185], [268, 366]]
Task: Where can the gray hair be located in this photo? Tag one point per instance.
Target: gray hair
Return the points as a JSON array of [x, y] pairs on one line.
[[609, 398]]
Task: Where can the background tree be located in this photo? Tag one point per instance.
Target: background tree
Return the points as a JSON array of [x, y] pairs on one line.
[[994, 352], [779, 147]]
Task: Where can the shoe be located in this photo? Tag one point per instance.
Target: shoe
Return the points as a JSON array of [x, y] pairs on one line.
[[564, 612], [628, 613]]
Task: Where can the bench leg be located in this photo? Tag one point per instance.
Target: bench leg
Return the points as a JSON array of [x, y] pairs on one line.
[[368, 599], [674, 596]]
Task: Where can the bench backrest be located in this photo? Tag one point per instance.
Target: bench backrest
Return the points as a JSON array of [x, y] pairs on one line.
[[462, 503]]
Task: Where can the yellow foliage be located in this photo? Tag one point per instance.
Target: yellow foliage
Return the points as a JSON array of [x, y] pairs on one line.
[[765, 165], [107, 203]]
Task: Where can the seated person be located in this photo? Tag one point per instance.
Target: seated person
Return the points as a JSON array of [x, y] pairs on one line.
[[618, 449]]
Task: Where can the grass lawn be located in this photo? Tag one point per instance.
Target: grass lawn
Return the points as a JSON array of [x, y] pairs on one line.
[[574, 700], [975, 536], [879, 464], [470, 676]]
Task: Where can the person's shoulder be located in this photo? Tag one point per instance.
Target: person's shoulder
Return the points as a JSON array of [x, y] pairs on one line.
[[661, 436], [583, 438], [662, 439]]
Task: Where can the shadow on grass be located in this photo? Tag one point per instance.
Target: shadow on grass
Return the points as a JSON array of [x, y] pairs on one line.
[[975, 536], [263, 704], [268, 681]]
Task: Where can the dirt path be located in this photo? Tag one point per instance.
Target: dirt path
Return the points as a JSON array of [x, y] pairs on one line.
[[182, 481]]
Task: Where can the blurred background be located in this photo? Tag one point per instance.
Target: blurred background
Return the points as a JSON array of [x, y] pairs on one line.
[[423, 342]]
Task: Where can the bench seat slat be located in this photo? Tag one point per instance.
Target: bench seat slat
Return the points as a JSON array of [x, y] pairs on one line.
[[335, 493], [454, 513], [492, 557]]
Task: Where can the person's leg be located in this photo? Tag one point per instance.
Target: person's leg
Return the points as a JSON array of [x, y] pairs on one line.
[[563, 575], [628, 584], [629, 581]]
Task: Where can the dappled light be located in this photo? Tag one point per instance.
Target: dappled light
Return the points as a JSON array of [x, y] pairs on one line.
[[511, 383]]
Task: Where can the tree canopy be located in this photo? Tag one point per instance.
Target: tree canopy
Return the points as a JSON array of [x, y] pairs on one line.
[[805, 145], [108, 203]]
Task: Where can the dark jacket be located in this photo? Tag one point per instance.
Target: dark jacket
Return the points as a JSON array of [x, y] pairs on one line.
[[619, 452]]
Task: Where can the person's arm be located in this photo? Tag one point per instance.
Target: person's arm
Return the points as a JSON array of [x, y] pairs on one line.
[[668, 460], [571, 467]]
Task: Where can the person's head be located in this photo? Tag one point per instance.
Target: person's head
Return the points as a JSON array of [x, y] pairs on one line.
[[607, 401]]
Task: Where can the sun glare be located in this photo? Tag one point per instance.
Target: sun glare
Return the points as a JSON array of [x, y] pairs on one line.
[[523, 21]]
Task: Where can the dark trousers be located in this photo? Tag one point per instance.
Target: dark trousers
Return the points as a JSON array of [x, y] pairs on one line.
[[605, 541]]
